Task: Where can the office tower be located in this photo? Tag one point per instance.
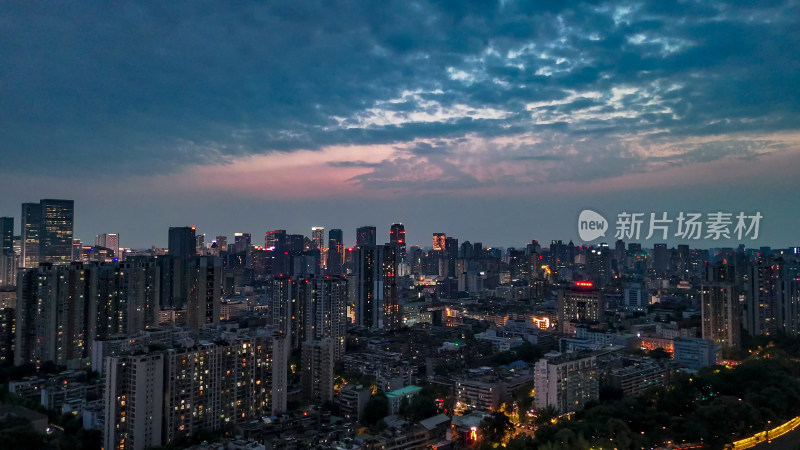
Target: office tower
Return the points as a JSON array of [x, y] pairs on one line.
[[390, 318], [365, 236], [317, 371], [619, 255], [134, 401], [559, 256], [451, 248], [6, 234], [241, 242], [565, 382], [9, 264], [318, 238], [31, 224], [720, 313], [599, 264], [109, 241], [200, 246], [204, 282], [55, 234], [275, 240], [518, 265], [635, 297], [367, 273], [660, 259], [295, 244], [54, 316], [335, 264], [478, 252], [222, 243], [182, 242], [439, 242], [580, 303], [397, 238]]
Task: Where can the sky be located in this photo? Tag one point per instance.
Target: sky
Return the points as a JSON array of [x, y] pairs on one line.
[[495, 122]]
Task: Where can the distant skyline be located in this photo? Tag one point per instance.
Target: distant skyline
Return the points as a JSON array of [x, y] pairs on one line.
[[492, 122]]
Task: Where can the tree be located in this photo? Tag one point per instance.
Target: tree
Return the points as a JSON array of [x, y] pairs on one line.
[[377, 408], [529, 352], [421, 407], [494, 428]]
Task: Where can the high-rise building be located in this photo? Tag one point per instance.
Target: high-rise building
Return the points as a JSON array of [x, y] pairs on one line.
[[317, 370], [660, 259], [367, 265], [761, 307], [390, 318], [335, 260], [31, 225], [6, 234], [200, 246], [318, 238], [720, 313], [439, 242], [275, 240], [580, 303], [451, 249], [152, 399], [365, 236], [397, 238], [222, 243], [127, 296], [565, 382], [134, 401], [54, 317], [241, 242], [109, 241], [204, 283], [47, 229], [182, 242]]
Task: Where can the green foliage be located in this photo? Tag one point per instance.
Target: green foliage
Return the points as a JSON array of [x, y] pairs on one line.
[[494, 428], [715, 406], [659, 353], [377, 408]]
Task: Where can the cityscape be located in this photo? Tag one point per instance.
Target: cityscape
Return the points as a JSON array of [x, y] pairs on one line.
[[400, 225], [307, 341]]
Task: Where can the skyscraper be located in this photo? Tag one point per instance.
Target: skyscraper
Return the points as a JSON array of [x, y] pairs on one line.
[[368, 293], [397, 238], [335, 252], [31, 226], [720, 313], [204, 282], [55, 239], [365, 236], [182, 242], [439, 241], [6, 234], [109, 241], [275, 240], [318, 238]]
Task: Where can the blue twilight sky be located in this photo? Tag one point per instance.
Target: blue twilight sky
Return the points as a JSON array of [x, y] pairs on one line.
[[490, 121]]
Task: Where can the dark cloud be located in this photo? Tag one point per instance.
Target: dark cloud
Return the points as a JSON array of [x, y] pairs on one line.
[[155, 86]]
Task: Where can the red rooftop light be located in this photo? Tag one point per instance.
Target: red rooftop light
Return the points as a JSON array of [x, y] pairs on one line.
[[584, 284]]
